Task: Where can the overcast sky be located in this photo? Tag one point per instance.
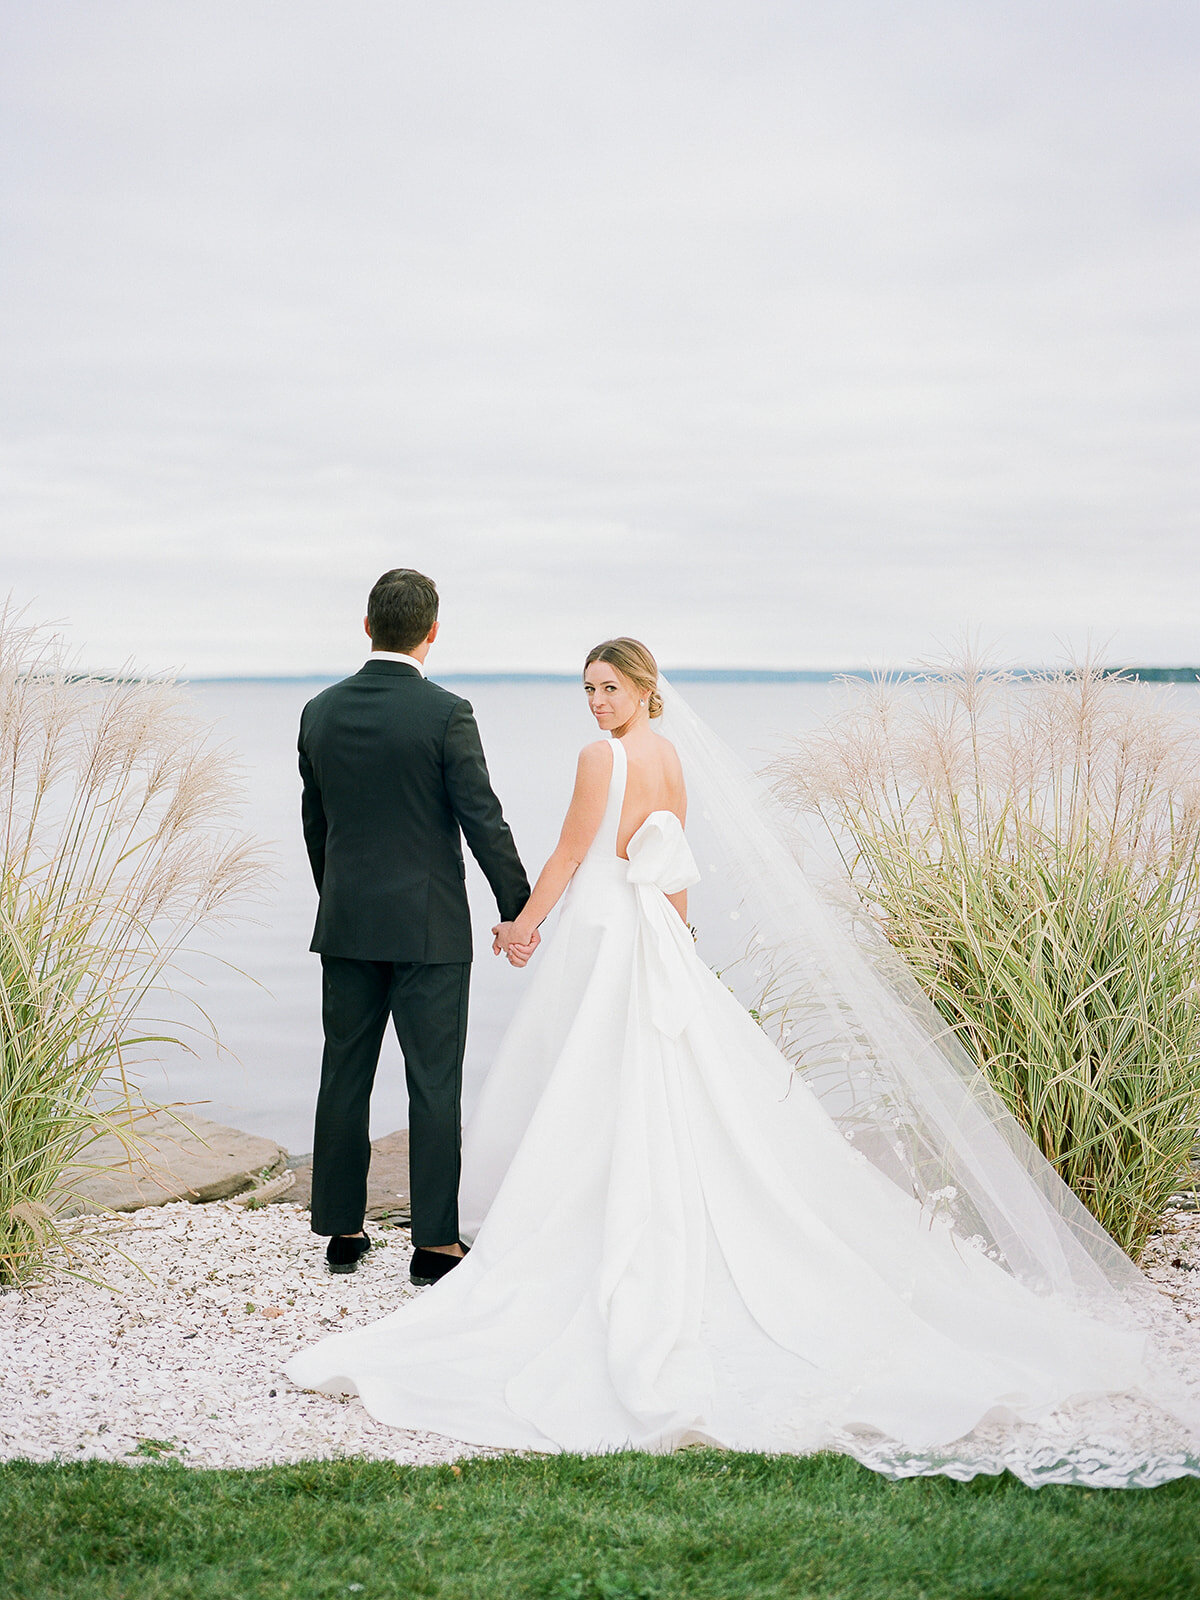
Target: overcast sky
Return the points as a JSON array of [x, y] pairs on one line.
[[780, 333]]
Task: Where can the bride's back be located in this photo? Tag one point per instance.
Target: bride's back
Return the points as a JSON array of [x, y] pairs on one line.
[[653, 782]]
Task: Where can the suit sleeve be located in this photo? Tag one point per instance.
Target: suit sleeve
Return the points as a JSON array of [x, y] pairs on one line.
[[312, 816], [478, 812]]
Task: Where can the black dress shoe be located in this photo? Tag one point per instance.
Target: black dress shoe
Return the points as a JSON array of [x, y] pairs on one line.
[[427, 1266], [343, 1254]]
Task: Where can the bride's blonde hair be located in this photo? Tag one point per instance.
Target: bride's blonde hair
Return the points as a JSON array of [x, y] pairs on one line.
[[631, 658]]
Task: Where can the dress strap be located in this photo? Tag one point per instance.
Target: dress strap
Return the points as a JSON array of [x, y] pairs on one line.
[[620, 763], [616, 796]]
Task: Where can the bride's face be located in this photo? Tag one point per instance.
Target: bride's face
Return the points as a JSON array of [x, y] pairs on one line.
[[613, 699]]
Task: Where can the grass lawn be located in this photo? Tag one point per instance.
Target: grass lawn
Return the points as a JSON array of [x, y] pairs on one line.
[[701, 1523]]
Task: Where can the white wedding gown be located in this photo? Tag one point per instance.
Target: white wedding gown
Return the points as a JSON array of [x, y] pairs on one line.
[[677, 1245]]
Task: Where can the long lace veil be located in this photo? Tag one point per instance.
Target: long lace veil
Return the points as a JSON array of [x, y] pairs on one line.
[[864, 1038]]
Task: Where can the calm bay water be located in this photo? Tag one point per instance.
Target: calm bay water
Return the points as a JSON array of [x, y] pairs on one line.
[[259, 983]]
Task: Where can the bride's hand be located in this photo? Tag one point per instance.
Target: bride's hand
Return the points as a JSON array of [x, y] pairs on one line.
[[519, 954], [522, 941], [505, 941]]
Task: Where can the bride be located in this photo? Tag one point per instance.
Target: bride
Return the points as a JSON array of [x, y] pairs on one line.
[[685, 1233]]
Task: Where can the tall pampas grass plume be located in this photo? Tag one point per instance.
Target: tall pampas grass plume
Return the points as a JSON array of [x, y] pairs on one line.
[[118, 839], [1031, 844]]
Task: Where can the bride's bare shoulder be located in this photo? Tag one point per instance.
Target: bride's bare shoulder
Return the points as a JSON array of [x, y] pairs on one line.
[[593, 772], [595, 758]]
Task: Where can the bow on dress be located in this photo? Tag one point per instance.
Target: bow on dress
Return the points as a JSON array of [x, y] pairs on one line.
[[661, 863]]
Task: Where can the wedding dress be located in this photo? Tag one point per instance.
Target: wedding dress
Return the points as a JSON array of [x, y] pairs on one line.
[[675, 1241]]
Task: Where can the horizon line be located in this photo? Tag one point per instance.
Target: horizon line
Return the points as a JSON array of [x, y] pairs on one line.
[[1141, 671]]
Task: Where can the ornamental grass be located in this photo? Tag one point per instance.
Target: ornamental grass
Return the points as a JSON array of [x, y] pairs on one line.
[[117, 839], [1032, 847]]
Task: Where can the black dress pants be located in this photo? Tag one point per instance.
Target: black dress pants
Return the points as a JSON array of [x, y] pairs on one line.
[[428, 1006]]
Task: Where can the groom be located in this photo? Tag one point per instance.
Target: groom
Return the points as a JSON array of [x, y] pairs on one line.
[[393, 769]]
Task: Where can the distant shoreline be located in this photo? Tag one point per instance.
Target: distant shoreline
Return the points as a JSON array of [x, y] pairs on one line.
[[1143, 674]]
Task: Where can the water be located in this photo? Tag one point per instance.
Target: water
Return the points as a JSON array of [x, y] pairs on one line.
[[260, 985]]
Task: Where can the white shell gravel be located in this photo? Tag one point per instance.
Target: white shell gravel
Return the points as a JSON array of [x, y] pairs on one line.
[[178, 1355]]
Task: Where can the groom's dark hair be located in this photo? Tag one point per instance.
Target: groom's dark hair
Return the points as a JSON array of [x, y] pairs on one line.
[[401, 609]]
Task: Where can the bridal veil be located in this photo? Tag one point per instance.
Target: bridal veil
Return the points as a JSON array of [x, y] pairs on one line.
[[845, 1010]]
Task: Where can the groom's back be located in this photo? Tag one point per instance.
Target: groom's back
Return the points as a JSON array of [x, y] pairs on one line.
[[380, 817]]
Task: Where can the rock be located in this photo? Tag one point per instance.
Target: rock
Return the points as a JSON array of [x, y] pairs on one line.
[[276, 1188], [387, 1181], [189, 1159]]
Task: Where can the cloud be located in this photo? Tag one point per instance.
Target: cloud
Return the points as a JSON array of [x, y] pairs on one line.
[[785, 335]]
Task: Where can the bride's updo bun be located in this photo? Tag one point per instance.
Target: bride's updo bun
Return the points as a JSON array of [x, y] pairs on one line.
[[631, 658]]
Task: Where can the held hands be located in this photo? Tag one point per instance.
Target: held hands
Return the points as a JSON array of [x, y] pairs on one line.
[[517, 949]]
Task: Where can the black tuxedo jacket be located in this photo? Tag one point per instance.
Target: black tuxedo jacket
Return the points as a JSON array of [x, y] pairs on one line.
[[393, 769]]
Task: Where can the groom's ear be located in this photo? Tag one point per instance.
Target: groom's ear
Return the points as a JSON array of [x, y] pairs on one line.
[[367, 626], [433, 632]]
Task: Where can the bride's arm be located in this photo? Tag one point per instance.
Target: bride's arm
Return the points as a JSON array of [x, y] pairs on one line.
[[584, 815]]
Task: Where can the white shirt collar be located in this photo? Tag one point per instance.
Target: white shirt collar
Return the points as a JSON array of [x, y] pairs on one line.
[[395, 655]]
